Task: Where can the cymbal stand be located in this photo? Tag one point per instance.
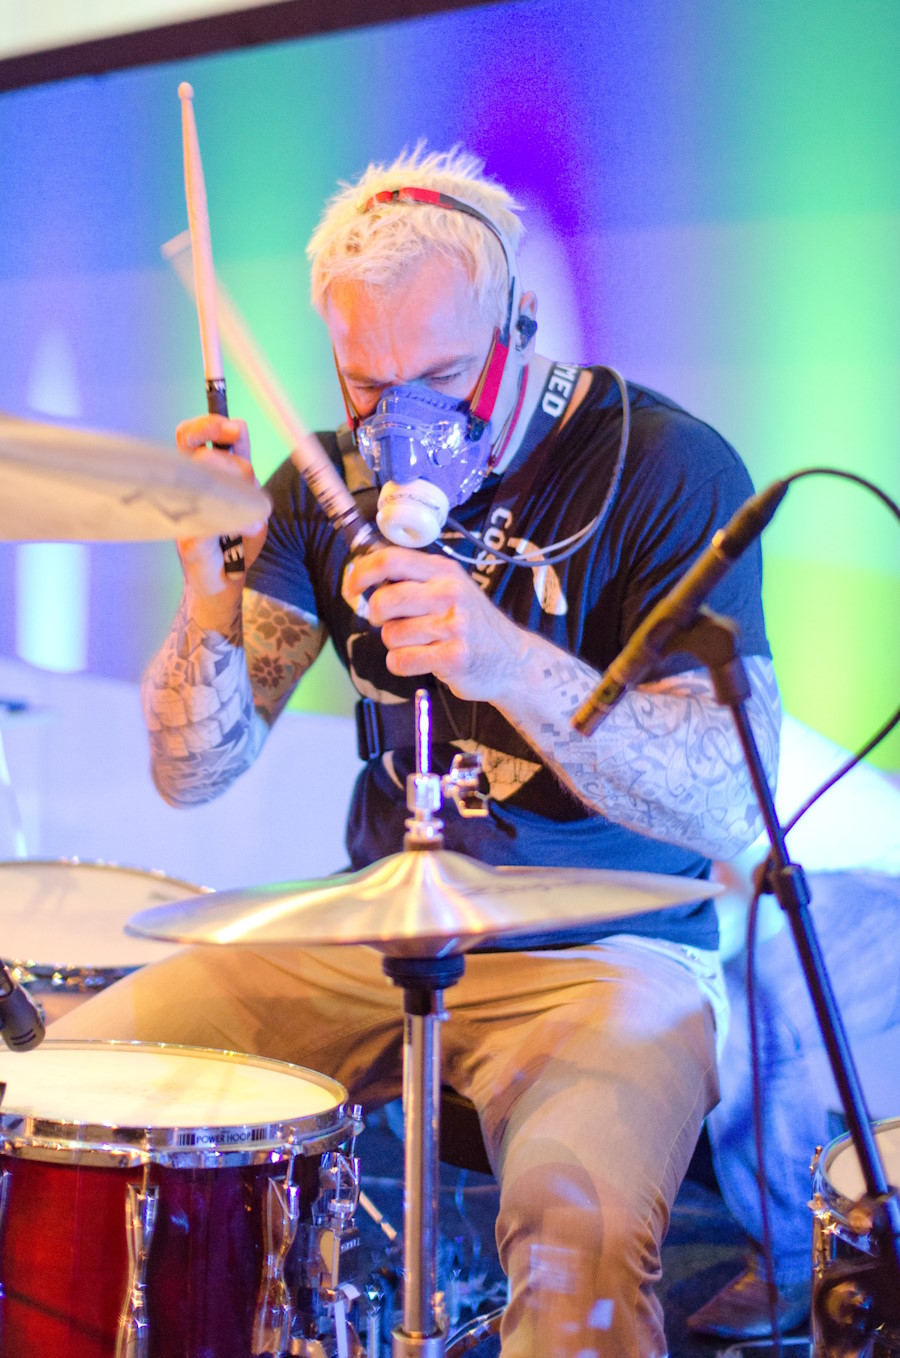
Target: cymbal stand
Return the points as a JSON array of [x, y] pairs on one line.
[[423, 1332]]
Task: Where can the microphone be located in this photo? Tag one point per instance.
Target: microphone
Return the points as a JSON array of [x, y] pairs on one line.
[[680, 606], [21, 1025]]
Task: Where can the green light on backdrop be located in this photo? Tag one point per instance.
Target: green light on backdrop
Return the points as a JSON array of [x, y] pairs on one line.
[[834, 637]]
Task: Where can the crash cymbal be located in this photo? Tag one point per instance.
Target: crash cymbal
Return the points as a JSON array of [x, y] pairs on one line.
[[71, 485], [424, 903]]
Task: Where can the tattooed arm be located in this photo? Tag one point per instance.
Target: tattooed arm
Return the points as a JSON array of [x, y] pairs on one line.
[[232, 658], [210, 696], [665, 762]]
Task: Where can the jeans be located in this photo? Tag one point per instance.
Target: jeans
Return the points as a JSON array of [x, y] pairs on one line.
[[856, 916]]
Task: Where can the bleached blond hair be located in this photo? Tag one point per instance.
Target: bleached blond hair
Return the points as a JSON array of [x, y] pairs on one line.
[[382, 245]]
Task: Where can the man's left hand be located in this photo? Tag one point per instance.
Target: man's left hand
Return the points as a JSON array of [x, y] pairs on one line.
[[435, 620]]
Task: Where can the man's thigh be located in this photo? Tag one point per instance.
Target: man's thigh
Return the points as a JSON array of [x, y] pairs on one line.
[[330, 1009]]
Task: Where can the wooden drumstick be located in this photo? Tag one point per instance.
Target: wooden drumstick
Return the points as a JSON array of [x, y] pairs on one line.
[[307, 453], [205, 292]]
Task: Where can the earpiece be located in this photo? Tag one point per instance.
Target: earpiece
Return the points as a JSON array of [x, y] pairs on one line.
[[527, 327]]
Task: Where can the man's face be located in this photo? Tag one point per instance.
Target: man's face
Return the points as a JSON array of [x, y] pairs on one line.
[[429, 328]]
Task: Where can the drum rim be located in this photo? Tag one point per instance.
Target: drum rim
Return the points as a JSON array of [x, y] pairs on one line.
[[33, 1136], [836, 1202], [51, 978], [106, 865]]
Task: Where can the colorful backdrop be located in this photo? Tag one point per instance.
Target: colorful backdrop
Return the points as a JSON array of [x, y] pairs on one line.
[[712, 197]]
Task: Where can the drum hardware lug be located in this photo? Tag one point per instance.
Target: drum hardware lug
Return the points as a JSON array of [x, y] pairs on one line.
[[355, 1113], [374, 1313], [338, 1186], [133, 1338], [462, 784], [336, 1236], [331, 1243], [5, 1176], [274, 1305]]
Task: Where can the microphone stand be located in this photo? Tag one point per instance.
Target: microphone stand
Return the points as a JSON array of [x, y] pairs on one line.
[[837, 1299]]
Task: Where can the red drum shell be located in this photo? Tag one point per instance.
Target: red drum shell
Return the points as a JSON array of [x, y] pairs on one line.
[[64, 1258]]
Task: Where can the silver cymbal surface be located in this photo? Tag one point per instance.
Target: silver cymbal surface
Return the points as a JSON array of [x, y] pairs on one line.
[[425, 903], [72, 485]]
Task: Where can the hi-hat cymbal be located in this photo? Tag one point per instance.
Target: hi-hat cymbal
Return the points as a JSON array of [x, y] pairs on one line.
[[71, 485], [419, 903]]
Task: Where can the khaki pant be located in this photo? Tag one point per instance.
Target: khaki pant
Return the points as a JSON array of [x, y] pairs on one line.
[[592, 1071]]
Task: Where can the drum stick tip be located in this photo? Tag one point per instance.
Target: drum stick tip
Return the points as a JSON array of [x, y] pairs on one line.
[[185, 90]]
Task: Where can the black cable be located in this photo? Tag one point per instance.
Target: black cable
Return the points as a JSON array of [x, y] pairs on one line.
[[888, 726], [758, 1127], [557, 552]]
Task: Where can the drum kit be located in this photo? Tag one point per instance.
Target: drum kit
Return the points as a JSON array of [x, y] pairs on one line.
[[166, 1202]]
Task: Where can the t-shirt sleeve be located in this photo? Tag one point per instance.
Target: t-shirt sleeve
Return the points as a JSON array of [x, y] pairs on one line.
[[280, 570], [692, 483]]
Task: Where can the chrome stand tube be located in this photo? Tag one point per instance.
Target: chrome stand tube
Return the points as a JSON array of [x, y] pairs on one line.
[[422, 1058], [423, 1333]]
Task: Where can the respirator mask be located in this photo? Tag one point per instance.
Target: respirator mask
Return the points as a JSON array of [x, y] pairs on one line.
[[429, 452]]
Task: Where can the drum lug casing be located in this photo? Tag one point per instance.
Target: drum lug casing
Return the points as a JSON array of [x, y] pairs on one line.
[[274, 1306], [141, 1206], [5, 1176]]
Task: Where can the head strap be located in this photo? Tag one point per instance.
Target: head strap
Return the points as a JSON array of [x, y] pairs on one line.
[[484, 397], [432, 198]]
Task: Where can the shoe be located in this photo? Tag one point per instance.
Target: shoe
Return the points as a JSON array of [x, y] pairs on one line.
[[741, 1310]]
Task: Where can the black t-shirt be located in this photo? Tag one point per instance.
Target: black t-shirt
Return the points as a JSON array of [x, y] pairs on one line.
[[679, 483]]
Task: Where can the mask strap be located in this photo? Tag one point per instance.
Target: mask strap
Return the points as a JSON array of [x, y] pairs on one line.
[[484, 397], [352, 413]]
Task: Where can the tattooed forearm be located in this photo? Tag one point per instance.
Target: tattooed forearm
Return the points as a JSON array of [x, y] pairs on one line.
[[198, 707], [209, 697], [281, 643], [666, 761]]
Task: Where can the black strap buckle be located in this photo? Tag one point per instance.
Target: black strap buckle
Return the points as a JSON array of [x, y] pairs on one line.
[[369, 736]]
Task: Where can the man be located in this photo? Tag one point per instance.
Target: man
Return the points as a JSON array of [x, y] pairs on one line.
[[591, 1063]]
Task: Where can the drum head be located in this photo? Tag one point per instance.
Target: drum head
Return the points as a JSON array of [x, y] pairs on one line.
[[69, 917], [841, 1167], [163, 1099]]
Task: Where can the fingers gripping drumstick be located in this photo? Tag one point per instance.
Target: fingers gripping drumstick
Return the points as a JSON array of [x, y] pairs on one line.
[[307, 453], [205, 291]]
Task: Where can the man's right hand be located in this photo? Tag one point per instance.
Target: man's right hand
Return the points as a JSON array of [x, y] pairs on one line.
[[214, 598]]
